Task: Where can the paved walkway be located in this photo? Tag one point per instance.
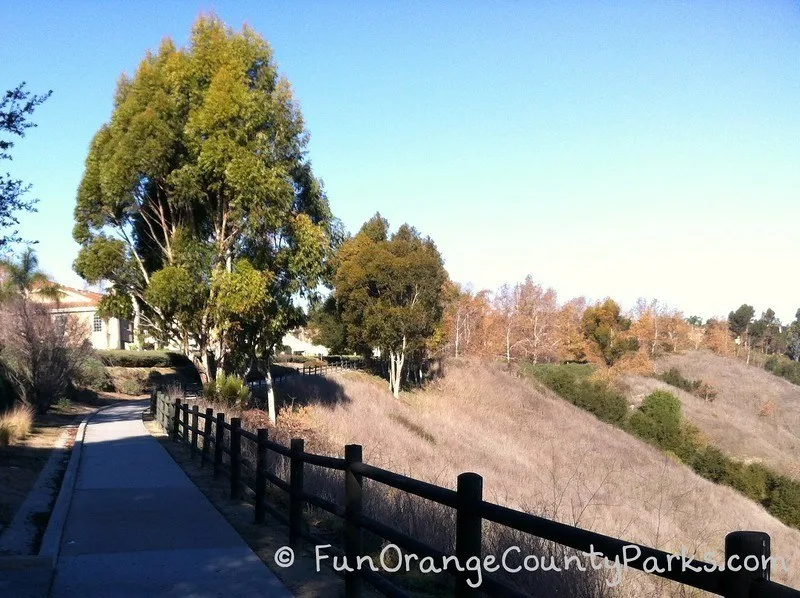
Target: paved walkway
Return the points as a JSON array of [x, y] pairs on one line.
[[137, 526]]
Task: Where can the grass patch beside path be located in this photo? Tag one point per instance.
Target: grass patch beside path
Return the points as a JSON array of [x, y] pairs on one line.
[[22, 461]]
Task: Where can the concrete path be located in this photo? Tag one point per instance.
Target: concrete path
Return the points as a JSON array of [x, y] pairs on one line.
[[137, 526]]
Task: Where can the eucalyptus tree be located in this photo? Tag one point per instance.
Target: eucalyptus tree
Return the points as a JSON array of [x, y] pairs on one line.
[[199, 204]]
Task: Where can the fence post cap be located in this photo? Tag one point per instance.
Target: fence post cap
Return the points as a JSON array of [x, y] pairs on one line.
[[470, 477], [353, 452]]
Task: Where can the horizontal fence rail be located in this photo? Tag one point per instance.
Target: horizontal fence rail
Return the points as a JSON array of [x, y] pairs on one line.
[[307, 370], [221, 438]]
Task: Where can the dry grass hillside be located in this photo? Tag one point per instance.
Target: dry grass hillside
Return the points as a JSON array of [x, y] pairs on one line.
[[541, 454], [755, 416]]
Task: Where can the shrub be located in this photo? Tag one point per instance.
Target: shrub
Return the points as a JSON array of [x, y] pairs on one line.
[[784, 500], [711, 463], [673, 377], [143, 359], [751, 480], [92, 374], [658, 420], [131, 386], [16, 424], [41, 353], [571, 382], [789, 370], [227, 391], [783, 367]]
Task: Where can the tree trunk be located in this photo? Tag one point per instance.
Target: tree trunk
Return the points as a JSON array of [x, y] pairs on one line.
[[270, 390], [208, 365], [396, 360], [138, 337]]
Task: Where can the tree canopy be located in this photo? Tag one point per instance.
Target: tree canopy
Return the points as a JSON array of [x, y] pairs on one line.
[[16, 106], [388, 291], [603, 324], [198, 201]]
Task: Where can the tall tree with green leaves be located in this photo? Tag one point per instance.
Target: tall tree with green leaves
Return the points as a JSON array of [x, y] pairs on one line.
[[16, 106], [388, 290], [739, 322], [199, 204], [604, 325]]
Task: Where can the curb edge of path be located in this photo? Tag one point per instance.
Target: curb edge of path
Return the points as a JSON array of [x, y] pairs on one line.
[[51, 541]]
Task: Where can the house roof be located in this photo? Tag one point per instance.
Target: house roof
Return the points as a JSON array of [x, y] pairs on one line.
[[71, 297]]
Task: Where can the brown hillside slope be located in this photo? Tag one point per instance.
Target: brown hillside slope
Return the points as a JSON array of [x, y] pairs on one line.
[[539, 453], [755, 417]]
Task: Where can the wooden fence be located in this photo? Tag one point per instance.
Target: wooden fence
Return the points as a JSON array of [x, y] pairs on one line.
[[225, 437], [307, 370]]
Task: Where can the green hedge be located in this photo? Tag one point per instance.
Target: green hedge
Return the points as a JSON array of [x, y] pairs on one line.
[[143, 359]]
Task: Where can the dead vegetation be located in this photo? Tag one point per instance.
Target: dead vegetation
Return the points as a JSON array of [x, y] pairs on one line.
[[540, 454]]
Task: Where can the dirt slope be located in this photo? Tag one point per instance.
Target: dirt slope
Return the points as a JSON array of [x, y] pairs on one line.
[[539, 453], [755, 416]]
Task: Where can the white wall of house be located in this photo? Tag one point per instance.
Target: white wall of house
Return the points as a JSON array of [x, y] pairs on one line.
[[299, 343], [103, 334], [112, 333]]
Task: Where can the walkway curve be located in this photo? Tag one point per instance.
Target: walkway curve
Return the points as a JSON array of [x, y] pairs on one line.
[[137, 526]]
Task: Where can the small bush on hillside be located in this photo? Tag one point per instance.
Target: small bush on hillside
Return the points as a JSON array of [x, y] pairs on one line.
[[92, 374], [571, 382], [751, 480], [143, 359], [783, 367], [784, 500], [658, 421], [789, 370], [711, 463], [673, 377], [228, 391]]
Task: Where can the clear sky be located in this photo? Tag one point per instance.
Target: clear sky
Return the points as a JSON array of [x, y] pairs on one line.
[[606, 148]]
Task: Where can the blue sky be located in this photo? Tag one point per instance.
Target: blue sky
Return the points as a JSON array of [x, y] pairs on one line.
[[618, 149]]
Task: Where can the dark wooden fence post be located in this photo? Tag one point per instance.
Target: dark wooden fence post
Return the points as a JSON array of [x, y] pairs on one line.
[[296, 502], [195, 412], [468, 526], [154, 402], [354, 535], [207, 424], [750, 552], [219, 443], [185, 423], [176, 418], [261, 475], [236, 456]]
